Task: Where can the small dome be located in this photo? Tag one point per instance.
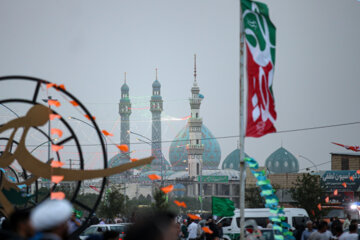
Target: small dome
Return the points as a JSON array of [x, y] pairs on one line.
[[118, 159], [124, 87], [282, 161], [232, 161], [179, 155], [156, 84]]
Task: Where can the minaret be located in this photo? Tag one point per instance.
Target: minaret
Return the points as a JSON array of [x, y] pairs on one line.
[[125, 111], [156, 107], [195, 148]]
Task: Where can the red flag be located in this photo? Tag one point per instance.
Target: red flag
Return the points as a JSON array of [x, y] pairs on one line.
[[94, 188], [327, 199], [261, 114], [344, 184], [319, 206], [336, 192]]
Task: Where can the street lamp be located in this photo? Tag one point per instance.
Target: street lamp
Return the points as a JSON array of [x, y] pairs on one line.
[[77, 119], [314, 165]]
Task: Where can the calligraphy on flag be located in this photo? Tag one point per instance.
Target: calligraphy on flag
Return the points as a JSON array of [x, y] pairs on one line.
[[260, 50]]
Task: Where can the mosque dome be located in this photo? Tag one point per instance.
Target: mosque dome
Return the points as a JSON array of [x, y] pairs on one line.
[[118, 159], [232, 161], [178, 154], [156, 84], [282, 161], [124, 87]]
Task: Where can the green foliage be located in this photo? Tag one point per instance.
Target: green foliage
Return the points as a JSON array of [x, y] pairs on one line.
[[308, 193], [160, 200], [253, 198], [112, 204]]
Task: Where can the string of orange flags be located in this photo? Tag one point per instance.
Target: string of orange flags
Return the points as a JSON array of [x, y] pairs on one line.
[[154, 177], [56, 180], [57, 132], [207, 230], [193, 216], [55, 103], [167, 189], [89, 118], [57, 87], [54, 116], [180, 204], [133, 159], [74, 103], [56, 148], [106, 133]]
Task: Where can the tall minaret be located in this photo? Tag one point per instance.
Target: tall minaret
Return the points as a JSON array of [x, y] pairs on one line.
[[195, 148], [156, 107], [125, 111]]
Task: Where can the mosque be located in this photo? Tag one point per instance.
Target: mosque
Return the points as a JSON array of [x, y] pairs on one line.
[[194, 155]]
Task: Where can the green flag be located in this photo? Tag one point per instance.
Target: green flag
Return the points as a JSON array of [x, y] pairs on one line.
[[222, 207]]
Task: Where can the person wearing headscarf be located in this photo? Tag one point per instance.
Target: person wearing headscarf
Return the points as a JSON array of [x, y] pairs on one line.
[[50, 219]]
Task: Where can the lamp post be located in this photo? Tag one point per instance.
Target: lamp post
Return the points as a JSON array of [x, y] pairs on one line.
[[314, 165], [77, 119]]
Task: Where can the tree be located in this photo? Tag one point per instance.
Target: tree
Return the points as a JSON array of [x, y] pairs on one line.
[[308, 193], [253, 198], [160, 198], [113, 203]]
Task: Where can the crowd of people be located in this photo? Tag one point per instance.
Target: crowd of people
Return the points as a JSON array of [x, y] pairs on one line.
[[56, 220], [347, 230]]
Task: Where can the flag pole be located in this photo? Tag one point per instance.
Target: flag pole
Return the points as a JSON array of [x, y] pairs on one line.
[[242, 131]]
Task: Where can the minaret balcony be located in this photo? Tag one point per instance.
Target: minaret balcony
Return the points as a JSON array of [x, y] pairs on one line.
[[195, 100], [195, 146], [195, 122]]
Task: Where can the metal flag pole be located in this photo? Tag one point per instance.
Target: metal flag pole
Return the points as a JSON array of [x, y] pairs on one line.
[[242, 131]]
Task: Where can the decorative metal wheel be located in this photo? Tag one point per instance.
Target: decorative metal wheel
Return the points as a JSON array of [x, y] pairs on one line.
[[18, 94]]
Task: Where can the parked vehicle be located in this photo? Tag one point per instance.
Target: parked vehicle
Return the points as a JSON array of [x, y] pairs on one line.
[[100, 228], [231, 225]]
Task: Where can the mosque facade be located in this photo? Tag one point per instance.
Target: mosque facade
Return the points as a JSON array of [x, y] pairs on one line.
[[195, 167]]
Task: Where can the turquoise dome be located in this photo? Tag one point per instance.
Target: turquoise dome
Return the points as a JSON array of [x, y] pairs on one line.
[[178, 154], [232, 161], [156, 84], [282, 161], [118, 159], [124, 87]]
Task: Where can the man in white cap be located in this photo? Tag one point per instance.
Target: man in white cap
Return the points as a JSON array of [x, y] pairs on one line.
[[50, 218]]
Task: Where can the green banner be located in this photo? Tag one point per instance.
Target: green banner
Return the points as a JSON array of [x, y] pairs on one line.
[[222, 207], [214, 179]]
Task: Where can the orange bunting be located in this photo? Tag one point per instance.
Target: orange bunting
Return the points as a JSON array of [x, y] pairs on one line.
[[193, 217], [57, 179], [319, 206], [336, 192], [57, 195], [56, 131], [154, 177], [134, 159], [55, 103], [53, 116], [358, 171], [74, 103], [123, 147], [56, 164], [56, 148], [313, 212], [61, 86], [50, 85], [207, 230], [351, 178], [327, 199], [344, 184], [180, 204], [106, 133], [167, 189], [87, 116]]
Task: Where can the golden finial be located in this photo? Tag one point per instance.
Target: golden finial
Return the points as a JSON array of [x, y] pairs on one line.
[[195, 67]]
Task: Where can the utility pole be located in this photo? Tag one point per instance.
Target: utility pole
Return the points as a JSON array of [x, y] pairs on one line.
[[242, 130]]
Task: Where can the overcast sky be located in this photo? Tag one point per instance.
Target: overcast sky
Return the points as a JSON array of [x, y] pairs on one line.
[[88, 45]]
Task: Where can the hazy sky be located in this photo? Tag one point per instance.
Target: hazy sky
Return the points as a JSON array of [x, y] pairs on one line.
[[88, 45]]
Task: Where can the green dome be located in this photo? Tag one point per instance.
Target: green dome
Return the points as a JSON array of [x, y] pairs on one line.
[[282, 161], [232, 161], [156, 84], [124, 88]]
